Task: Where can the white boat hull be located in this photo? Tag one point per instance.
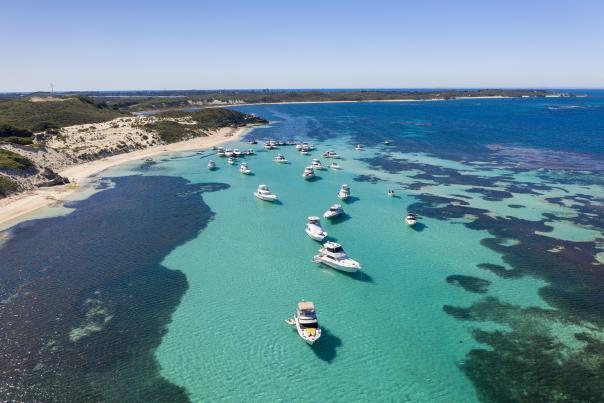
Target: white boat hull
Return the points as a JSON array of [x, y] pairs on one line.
[[315, 236], [265, 198], [335, 265], [304, 336]]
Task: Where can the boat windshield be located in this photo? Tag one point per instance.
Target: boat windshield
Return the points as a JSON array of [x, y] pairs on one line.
[[337, 249], [313, 325]]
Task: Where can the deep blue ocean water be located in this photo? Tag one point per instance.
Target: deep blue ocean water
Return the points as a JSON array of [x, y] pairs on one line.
[[174, 282]]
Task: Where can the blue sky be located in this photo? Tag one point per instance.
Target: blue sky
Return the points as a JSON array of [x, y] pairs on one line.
[[108, 44]]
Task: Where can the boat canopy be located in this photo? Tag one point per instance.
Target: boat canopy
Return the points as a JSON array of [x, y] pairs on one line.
[[306, 306]]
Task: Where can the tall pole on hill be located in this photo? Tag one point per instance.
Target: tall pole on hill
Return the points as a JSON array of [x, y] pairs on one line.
[[52, 89]]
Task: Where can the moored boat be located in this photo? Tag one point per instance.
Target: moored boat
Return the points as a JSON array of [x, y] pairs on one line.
[[211, 165], [332, 254], [344, 192], [335, 165], [314, 229], [358, 147], [221, 152], [231, 161], [331, 154], [316, 164], [236, 153], [334, 211], [308, 173], [280, 159], [411, 219], [391, 193], [306, 322], [228, 152], [244, 169], [264, 194]]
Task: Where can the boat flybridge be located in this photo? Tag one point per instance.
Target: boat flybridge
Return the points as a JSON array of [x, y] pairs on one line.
[[244, 169], [314, 229], [316, 164], [332, 254], [335, 165], [331, 154], [334, 211], [231, 161], [280, 159], [411, 219], [306, 322], [221, 152], [264, 194], [308, 173], [211, 165], [344, 192]]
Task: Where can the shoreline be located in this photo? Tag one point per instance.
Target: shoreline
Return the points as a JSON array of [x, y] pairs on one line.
[[197, 107], [16, 208]]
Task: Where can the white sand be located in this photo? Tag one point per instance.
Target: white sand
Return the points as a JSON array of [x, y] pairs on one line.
[[17, 207]]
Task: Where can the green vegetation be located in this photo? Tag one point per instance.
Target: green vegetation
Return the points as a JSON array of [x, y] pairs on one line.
[[7, 186], [11, 160], [170, 100], [206, 119], [171, 132], [42, 114]]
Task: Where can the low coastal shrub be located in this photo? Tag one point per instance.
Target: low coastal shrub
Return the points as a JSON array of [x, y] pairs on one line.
[[12, 160], [7, 186]]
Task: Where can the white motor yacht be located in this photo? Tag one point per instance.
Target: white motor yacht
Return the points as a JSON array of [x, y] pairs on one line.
[[335, 165], [280, 159], [308, 173], [344, 192], [228, 152], [332, 254], [244, 169], [236, 153], [264, 194], [391, 193], [386, 142], [331, 154], [221, 152], [231, 161], [306, 322], [411, 219], [211, 165], [314, 229], [358, 147], [316, 164], [334, 211]]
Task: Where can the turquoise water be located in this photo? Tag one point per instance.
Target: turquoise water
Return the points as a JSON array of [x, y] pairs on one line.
[[182, 289], [387, 335]]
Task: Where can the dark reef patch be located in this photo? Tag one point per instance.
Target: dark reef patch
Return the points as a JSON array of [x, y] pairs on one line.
[[469, 283], [499, 270], [97, 293], [491, 194], [367, 178], [529, 363]]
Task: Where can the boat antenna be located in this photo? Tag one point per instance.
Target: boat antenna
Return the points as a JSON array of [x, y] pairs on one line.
[[52, 89]]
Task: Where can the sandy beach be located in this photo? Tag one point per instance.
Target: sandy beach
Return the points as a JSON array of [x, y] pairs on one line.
[[17, 207]]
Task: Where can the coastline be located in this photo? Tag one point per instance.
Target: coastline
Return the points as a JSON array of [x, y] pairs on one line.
[[16, 208], [196, 107]]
